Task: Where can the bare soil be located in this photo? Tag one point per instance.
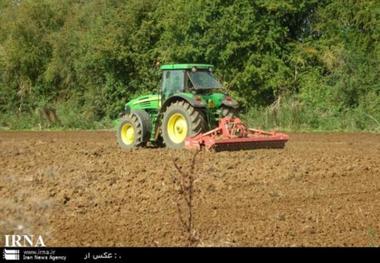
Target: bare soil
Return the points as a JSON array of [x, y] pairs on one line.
[[80, 189]]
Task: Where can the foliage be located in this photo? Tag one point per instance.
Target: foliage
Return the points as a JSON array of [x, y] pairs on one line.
[[298, 64]]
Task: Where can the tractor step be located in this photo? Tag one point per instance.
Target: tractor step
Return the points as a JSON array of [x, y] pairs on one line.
[[233, 135]]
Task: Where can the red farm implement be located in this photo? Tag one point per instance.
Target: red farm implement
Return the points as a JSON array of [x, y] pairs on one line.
[[232, 134]]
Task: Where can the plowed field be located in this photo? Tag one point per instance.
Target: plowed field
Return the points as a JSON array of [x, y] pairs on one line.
[[80, 189]]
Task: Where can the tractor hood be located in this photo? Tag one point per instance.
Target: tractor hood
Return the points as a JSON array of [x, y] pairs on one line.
[[152, 101]]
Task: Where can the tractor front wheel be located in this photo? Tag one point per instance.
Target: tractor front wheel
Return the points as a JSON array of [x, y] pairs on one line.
[[228, 112], [133, 130], [181, 120]]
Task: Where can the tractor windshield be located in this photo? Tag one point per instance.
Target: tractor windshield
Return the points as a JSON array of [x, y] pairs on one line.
[[204, 80]]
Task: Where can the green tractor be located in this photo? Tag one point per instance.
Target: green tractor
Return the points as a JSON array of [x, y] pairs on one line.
[[189, 102]]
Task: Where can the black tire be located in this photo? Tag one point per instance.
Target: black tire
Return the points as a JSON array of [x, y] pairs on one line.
[[146, 121], [228, 112], [139, 120], [195, 121], [205, 126]]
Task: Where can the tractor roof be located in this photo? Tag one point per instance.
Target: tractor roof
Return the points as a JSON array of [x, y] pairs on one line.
[[185, 66]]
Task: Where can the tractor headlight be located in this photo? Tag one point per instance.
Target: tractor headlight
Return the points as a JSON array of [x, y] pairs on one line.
[[198, 102]]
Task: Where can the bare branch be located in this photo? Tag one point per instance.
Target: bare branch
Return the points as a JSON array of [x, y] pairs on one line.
[[185, 182]]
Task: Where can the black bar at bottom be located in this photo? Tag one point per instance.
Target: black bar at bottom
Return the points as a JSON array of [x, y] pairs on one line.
[[104, 254]]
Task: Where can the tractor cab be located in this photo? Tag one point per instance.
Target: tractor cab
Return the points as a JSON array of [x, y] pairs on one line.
[[194, 78]]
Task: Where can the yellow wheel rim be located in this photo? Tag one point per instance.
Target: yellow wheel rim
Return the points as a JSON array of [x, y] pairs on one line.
[[177, 128], [128, 134]]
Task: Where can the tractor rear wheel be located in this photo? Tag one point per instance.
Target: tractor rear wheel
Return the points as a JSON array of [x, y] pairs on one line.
[[181, 120], [133, 130]]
